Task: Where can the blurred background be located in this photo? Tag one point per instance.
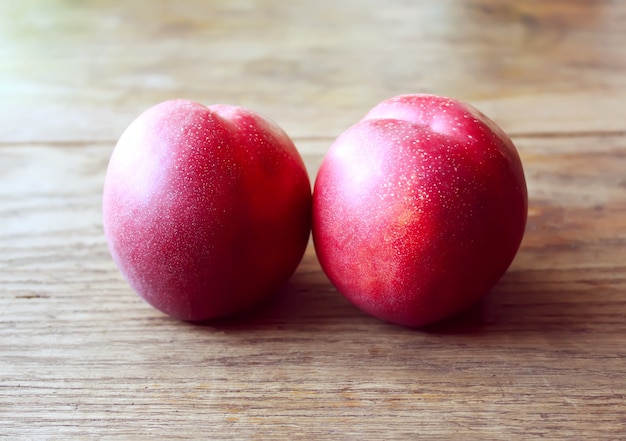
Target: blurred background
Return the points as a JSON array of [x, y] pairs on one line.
[[82, 70]]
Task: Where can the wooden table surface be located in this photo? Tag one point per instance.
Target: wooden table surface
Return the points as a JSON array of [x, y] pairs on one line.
[[82, 357]]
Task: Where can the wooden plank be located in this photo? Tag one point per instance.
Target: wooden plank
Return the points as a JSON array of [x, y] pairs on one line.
[[543, 354], [84, 72]]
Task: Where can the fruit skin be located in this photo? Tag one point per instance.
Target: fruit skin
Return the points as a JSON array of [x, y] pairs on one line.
[[206, 210], [419, 209]]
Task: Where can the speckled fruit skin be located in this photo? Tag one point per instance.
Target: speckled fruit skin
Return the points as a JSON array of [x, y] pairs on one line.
[[206, 210], [419, 209]]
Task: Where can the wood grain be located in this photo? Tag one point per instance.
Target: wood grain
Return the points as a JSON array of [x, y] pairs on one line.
[[81, 357]]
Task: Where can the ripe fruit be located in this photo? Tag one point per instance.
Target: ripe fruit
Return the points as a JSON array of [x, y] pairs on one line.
[[418, 209], [206, 209]]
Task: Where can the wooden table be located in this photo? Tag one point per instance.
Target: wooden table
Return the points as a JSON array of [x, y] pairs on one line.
[[82, 357]]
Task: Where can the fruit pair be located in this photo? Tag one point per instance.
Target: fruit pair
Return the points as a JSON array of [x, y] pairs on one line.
[[417, 210]]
